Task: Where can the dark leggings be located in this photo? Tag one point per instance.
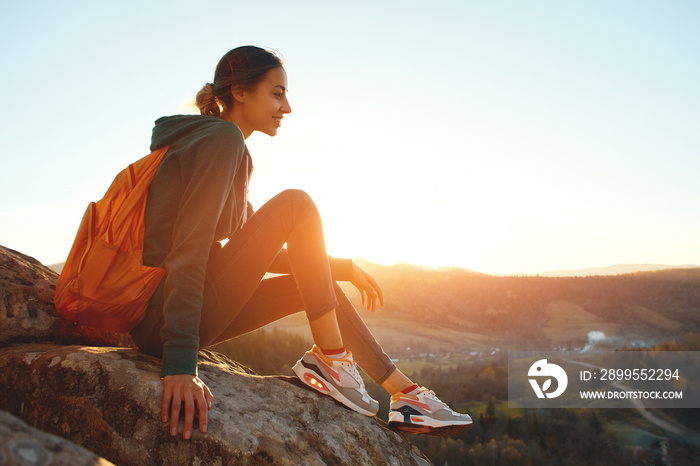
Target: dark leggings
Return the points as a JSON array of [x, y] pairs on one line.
[[238, 299]]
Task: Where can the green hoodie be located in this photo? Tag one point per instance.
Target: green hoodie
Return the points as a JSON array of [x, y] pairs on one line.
[[196, 198]]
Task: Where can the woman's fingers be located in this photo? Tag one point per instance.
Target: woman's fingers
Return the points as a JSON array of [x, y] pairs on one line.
[[175, 412], [189, 415], [165, 405], [190, 391], [370, 292], [208, 395], [375, 285], [377, 297], [374, 301], [375, 293], [203, 405]]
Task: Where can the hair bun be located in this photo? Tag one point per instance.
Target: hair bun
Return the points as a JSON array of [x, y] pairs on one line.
[[206, 101]]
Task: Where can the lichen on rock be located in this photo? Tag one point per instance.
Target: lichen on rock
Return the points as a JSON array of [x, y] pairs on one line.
[[21, 444]]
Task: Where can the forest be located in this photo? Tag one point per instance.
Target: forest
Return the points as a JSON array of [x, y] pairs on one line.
[[502, 435]]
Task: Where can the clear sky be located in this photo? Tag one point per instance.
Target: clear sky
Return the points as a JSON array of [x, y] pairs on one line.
[[501, 136]]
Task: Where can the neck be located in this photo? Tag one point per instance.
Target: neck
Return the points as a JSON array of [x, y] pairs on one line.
[[232, 117]]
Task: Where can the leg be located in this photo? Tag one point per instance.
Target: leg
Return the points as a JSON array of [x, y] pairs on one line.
[[396, 382], [333, 376], [325, 331], [279, 297], [235, 271], [234, 278]]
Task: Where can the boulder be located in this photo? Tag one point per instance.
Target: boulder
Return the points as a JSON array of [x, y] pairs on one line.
[[21, 444], [108, 401], [90, 388], [27, 312]]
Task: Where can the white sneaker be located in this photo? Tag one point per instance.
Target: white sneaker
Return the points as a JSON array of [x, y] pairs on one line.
[[337, 378], [424, 413]]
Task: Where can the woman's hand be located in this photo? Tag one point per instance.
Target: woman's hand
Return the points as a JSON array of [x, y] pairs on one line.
[[369, 289], [191, 390]]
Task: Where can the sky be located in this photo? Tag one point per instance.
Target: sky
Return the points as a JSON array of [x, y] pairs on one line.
[[505, 137]]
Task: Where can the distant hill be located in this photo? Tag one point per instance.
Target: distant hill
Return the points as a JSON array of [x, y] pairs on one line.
[[617, 269], [57, 267], [456, 309]]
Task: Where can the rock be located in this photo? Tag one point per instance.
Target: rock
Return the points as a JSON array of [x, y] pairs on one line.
[[21, 444], [27, 312], [108, 401], [85, 386]]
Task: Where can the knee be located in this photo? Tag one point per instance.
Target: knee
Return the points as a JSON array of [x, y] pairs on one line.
[[299, 197], [294, 206]]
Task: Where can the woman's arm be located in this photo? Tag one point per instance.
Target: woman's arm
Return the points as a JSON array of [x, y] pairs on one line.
[[207, 170], [342, 270]]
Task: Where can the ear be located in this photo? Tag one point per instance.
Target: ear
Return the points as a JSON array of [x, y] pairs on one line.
[[239, 93]]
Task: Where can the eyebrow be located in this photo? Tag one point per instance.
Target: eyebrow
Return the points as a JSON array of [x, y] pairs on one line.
[[281, 86]]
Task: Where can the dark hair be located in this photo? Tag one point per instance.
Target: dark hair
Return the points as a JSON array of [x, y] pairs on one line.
[[243, 66]]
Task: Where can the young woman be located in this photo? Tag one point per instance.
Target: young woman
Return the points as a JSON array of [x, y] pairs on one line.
[[211, 293]]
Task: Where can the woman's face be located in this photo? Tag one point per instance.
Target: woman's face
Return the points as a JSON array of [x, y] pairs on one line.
[[263, 109]]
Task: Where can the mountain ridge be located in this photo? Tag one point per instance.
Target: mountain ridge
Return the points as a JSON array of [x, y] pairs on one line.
[[454, 310], [617, 269]]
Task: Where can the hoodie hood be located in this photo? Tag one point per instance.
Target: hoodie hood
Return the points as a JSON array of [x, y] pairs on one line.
[[171, 128]]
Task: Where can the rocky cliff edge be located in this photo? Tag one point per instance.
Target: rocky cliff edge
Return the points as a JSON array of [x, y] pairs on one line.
[[68, 390]]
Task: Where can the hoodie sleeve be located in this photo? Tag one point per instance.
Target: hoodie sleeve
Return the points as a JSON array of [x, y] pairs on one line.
[[341, 269], [207, 168]]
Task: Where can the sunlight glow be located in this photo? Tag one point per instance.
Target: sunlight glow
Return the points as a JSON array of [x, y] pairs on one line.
[[479, 140]]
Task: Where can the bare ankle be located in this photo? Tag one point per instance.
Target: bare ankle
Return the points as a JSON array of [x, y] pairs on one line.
[[325, 331], [396, 382]]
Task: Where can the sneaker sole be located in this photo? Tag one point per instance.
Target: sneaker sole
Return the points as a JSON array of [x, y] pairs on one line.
[[429, 430], [310, 378], [421, 424]]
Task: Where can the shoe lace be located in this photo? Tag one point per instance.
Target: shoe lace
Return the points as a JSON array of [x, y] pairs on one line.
[[352, 370], [431, 394], [356, 375]]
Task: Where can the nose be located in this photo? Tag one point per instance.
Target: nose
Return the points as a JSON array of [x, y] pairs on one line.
[[285, 108]]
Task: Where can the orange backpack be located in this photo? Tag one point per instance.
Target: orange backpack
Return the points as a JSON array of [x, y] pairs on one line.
[[104, 283]]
